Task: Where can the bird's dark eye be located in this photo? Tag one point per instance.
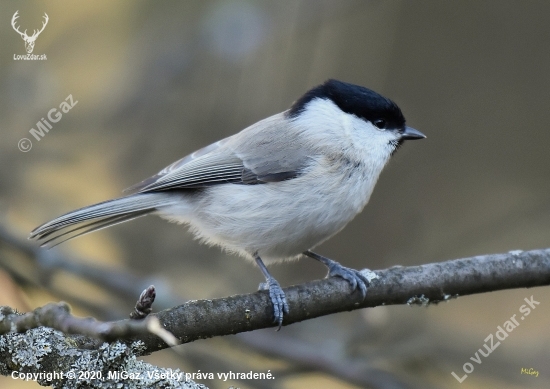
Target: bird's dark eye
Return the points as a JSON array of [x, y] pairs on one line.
[[380, 123]]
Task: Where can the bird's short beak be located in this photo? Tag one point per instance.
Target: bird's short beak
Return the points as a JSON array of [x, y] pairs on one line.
[[411, 134]]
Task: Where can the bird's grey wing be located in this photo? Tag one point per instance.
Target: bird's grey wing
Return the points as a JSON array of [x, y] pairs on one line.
[[259, 154], [141, 186]]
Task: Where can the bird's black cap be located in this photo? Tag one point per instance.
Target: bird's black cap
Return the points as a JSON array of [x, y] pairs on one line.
[[353, 99]]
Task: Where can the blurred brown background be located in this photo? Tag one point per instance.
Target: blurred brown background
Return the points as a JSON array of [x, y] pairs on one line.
[[155, 80]]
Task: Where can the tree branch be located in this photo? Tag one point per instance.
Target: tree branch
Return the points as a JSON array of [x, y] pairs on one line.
[[425, 284], [58, 316]]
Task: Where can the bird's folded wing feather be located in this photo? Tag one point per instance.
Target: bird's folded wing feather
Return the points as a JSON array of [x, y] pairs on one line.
[[262, 153]]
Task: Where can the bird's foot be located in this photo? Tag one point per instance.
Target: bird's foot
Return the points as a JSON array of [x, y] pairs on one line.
[[355, 278], [278, 299]]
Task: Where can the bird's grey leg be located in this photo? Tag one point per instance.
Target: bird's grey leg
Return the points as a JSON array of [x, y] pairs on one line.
[[276, 294], [354, 277]]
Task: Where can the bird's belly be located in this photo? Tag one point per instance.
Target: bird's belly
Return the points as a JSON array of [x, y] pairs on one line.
[[277, 221]]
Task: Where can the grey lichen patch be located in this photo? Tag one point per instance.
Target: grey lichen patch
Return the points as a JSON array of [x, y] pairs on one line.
[[42, 350], [516, 253], [28, 349], [369, 274], [448, 297], [419, 300]]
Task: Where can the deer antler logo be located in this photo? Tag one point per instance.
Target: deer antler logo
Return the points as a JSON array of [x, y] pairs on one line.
[[29, 40]]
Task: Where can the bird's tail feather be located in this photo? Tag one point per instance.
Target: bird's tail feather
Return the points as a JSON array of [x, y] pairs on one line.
[[98, 216]]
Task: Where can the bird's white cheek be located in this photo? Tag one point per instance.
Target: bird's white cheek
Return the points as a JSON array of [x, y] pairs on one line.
[[371, 144]]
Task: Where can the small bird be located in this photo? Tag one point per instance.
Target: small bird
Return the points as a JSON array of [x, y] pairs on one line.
[[273, 191]]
